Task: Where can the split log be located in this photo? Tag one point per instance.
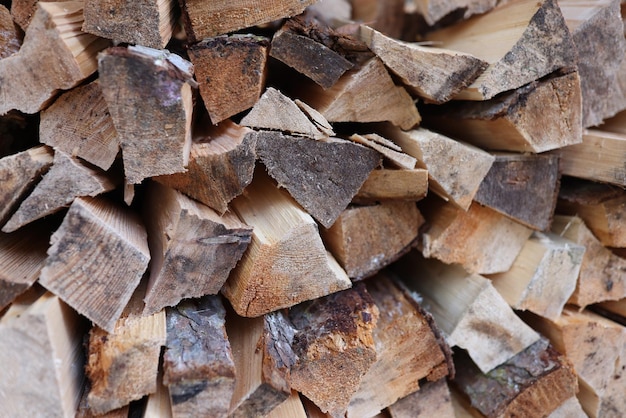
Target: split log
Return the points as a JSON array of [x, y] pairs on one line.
[[149, 22], [481, 240], [593, 345], [614, 402], [432, 400], [231, 72], [206, 19], [19, 172], [97, 258], [10, 39], [364, 239], [322, 176], [523, 187], [55, 55], [434, 74], [537, 117], [409, 348], [84, 411], [591, 25], [221, 165], [291, 408], [198, 366], [601, 275], [617, 307], [193, 248], [367, 94], [158, 404], [263, 357], [285, 246], [455, 169], [332, 12], [384, 16], [388, 149], [387, 184], [79, 124], [334, 346], [532, 41], [600, 206], [543, 276], [434, 10], [23, 11], [532, 384], [155, 85], [41, 357], [66, 180], [569, 409]]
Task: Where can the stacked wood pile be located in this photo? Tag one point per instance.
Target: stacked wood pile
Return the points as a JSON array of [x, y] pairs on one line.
[[312, 209]]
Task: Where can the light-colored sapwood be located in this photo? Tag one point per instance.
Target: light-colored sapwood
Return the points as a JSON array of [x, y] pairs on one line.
[[390, 184]]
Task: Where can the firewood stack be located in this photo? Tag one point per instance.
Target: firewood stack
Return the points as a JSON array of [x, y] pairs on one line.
[[291, 208]]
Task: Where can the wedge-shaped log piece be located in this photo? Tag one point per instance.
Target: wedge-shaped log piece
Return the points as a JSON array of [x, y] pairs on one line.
[[145, 22], [55, 55], [78, 123], [263, 356], [523, 187], [435, 10], [432, 400], [322, 176], [434, 74], [401, 361], [367, 94], [543, 276], [601, 275], [10, 39], [291, 408], [221, 165], [537, 117], [600, 206], [571, 408], [527, 40], [455, 169], [481, 240], [231, 72], [41, 356], [392, 153], [364, 239], [286, 262], [532, 384], [387, 184], [158, 404], [96, 260], [198, 365], [593, 345], [67, 179], [205, 19], [153, 84], [19, 172], [193, 248]]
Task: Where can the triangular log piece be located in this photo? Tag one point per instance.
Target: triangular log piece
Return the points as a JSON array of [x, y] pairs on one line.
[[432, 400], [434, 10], [388, 149], [291, 408], [10, 39], [387, 184]]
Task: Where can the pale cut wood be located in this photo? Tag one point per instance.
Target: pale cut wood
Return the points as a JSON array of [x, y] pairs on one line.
[[367, 94], [617, 307], [198, 365], [434, 74], [455, 168], [537, 117], [569, 409], [55, 55], [153, 84], [285, 246], [41, 356], [601, 275], [291, 408], [322, 176], [543, 276], [435, 10], [409, 348], [394, 156], [193, 248], [263, 357], [67, 179], [527, 40], [145, 22], [432, 400], [364, 239], [523, 187], [614, 402], [96, 259], [158, 404], [19, 173], [332, 12], [387, 184], [616, 124], [221, 165], [10, 39], [231, 72], [481, 240], [206, 19], [78, 123], [468, 309]]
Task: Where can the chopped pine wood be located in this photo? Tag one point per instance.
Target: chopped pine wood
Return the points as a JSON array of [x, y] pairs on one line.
[[527, 40], [10, 39], [432, 400], [569, 409], [78, 123], [435, 10], [285, 246], [55, 55], [158, 404], [145, 22], [388, 184], [392, 153], [386, 17], [291, 408], [96, 259]]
